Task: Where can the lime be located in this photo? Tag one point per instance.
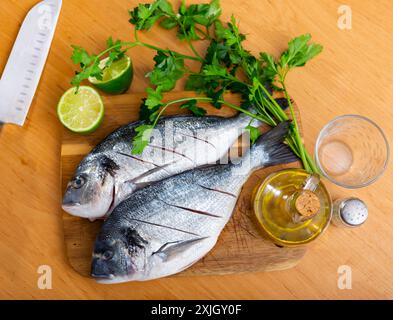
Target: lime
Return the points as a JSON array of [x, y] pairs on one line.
[[81, 111], [117, 77]]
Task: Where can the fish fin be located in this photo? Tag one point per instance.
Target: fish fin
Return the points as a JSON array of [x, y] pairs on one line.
[[280, 154], [170, 249], [271, 143], [275, 135], [141, 185]]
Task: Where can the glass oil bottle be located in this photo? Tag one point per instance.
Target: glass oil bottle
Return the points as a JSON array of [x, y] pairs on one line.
[[293, 207]]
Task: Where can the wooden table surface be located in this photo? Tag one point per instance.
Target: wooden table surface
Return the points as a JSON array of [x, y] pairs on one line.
[[353, 75]]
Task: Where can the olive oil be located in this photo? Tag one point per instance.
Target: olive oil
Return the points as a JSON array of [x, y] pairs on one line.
[[275, 210]]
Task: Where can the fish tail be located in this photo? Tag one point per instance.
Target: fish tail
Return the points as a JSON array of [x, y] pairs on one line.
[[272, 149]]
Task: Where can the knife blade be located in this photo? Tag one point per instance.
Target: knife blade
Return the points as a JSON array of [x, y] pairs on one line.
[[26, 62]]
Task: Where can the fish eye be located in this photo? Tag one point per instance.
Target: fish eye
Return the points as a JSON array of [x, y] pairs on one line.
[[78, 182], [107, 255]]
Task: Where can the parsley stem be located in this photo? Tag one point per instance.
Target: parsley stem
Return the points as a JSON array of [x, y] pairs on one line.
[[136, 34], [207, 99], [130, 44], [282, 116], [190, 43], [292, 145], [169, 51], [252, 115], [296, 131], [271, 121], [143, 44], [205, 34], [294, 140]]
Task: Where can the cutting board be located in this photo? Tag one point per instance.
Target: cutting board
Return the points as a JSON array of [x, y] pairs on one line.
[[241, 247]]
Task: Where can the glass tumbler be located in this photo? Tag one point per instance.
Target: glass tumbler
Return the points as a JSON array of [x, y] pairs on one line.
[[352, 151]]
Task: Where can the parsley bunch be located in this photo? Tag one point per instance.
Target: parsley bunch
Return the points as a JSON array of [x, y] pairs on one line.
[[225, 66]]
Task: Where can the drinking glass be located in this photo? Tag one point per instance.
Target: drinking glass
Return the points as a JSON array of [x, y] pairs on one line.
[[352, 151]]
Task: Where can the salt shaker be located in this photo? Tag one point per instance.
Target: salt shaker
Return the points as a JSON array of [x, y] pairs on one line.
[[349, 212]]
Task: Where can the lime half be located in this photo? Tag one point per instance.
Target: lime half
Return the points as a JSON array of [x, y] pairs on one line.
[[117, 77], [81, 111]]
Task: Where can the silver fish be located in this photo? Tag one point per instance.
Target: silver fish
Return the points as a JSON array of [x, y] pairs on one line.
[[110, 173], [166, 227]]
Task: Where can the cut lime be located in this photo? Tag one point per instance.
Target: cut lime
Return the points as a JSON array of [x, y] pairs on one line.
[[117, 77], [81, 111]]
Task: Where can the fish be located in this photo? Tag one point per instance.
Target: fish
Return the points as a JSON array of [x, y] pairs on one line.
[[165, 228], [110, 172]]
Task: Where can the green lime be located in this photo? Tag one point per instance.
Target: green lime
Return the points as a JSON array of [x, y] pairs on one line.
[[117, 77], [81, 111]]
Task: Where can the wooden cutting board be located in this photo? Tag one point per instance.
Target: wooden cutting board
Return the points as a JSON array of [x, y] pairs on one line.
[[242, 246]]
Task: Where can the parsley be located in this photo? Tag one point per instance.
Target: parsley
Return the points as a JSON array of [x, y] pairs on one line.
[[225, 66], [299, 52]]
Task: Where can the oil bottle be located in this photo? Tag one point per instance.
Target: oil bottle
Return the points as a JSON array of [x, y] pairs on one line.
[[293, 207]]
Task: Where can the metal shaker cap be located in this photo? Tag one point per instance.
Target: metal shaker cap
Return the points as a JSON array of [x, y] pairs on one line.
[[353, 211]]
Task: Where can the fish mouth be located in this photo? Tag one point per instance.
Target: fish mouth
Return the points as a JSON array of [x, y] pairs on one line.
[[100, 276], [109, 278], [69, 201], [70, 204]]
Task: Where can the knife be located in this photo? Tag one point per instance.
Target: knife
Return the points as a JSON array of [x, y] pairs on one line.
[[26, 62]]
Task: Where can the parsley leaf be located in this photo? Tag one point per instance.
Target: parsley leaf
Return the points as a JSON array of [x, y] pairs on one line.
[[169, 23], [299, 52], [196, 14], [169, 68], [145, 15], [192, 106], [254, 133], [81, 56], [269, 68], [142, 139], [146, 113], [215, 70], [154, 98]]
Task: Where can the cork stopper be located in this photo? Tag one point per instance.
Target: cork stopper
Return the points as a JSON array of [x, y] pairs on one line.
[[307, 204]]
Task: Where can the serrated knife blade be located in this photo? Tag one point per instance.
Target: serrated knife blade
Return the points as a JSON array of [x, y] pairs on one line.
[[26, 62]]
